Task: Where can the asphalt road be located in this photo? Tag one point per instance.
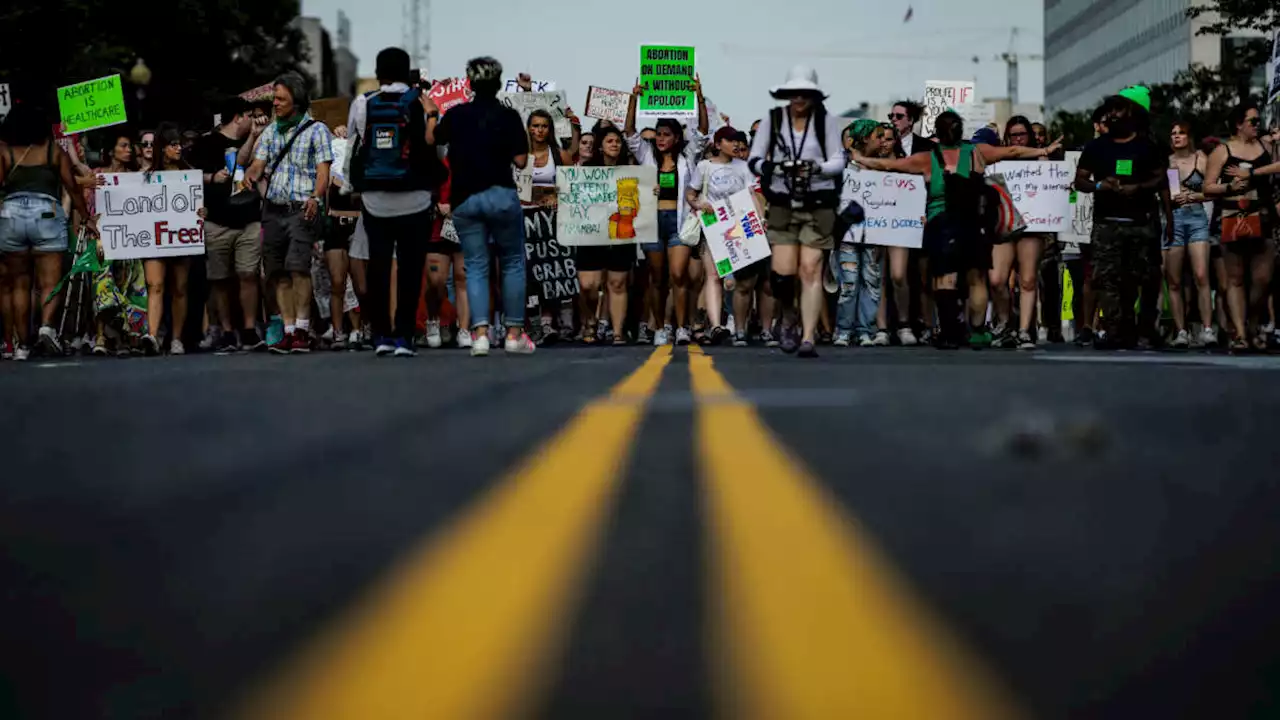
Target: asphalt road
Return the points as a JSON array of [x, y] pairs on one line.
[[622, 533]]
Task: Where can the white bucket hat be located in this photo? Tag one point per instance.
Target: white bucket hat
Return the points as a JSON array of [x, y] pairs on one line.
[[800, 78]]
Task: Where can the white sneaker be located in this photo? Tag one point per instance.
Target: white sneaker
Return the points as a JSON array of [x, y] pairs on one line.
[[522, 345], [355, 341], [480, 345], [48, 341], [464, 338], [177, 348], [682, 336], [22, 353], [1182, 340], [433, 334], [211, 337], [882, 339], [866, 341], [843, 338], [906, 337], [1209, 337], [662, 337]]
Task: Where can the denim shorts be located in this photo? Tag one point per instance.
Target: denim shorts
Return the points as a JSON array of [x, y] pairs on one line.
[[1190, 225], [32, 221], [668, 232]]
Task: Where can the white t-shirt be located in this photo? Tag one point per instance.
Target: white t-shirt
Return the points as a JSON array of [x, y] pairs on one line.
[[723, 179], [380, 203]]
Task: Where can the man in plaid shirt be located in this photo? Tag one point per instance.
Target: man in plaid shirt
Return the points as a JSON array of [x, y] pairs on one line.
[[296, 186]]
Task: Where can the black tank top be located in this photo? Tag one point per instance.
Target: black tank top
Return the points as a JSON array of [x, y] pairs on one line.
[[668, 182]]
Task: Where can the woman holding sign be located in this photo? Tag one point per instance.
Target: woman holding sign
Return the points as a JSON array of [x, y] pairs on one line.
[[34, 172], [1026, 250], [166, 274], [612, 264], [674, 152]]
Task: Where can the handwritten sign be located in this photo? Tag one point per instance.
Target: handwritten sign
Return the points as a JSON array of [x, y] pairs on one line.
[[666, 73], [607, 205], [524, 183], [537, 86], [151, 216], [1041, 191], [552, 102], [261, 93], [893, 203], [6, 102], [606, 104], [451, 93], [735, 233], [92, 104], [942, 95], [1080, 204], [551, 270]]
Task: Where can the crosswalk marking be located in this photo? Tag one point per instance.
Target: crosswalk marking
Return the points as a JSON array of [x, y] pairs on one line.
[[469, 626], [809, 621]]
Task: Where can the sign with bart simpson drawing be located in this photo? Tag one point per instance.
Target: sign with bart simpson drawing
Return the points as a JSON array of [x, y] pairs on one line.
[[607, 205]]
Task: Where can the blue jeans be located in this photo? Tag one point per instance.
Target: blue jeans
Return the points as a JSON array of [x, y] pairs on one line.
[[32, 221], [1190, 225], [668, 232], [495, 215], [860, 276]]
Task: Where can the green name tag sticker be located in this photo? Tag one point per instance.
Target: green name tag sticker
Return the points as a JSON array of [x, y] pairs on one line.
[[708, 219], [1072, 196], [1124, 168], [666, 180], [724, 267]]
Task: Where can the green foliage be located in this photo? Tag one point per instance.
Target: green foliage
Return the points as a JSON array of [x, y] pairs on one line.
[[1261, 15], [1075, 128], [197, 50]]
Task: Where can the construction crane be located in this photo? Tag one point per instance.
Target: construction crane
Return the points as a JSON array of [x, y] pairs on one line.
[[415, 34], [1010, 58]]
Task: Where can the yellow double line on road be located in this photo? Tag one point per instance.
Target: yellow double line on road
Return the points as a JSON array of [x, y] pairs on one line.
[[808, 622]]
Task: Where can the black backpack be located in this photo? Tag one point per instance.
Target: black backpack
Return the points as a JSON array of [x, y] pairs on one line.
[[972, 206]]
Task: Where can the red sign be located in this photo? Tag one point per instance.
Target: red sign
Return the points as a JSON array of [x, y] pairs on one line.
[[450, 93]]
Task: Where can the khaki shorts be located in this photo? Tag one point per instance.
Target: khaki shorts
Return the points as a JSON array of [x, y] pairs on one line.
[[231, 252], [809, 228]]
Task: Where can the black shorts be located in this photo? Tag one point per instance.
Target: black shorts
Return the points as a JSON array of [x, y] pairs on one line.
[[756, 270], [952, 252], [599, 258], [338, 233], [443, 247]]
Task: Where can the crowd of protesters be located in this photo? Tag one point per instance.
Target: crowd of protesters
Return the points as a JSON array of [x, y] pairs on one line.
[[403, 229]]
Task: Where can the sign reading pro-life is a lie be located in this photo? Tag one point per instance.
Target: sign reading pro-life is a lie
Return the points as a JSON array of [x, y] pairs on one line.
[[151, 215]]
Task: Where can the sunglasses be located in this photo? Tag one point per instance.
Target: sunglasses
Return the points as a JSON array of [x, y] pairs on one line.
[[1254, 121], [1019, 134], [145, 143], [897, 116]]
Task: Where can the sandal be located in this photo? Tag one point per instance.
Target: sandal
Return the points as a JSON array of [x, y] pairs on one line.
[[619, 340], [589, 333]]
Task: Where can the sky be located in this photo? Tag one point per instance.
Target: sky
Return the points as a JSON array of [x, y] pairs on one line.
[[862, 50]]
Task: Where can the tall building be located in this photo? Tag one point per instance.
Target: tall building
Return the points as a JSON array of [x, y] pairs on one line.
[[345, 62], [1095, 47]]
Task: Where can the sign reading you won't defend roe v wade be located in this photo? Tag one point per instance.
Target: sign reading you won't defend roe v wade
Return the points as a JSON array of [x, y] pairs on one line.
[[151, 216], [666, 74], [91, 105]]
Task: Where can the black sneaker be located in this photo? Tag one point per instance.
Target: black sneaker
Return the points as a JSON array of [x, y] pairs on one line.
[[1085, 337], [225, 344], [251, 341], [740, 339], [807, 350], [717, 336]]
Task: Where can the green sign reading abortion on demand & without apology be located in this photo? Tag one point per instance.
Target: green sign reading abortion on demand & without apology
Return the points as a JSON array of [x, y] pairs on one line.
[[666, 73]]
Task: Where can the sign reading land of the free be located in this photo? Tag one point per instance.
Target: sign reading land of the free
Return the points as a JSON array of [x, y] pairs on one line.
[[92, 104], [666, 74]]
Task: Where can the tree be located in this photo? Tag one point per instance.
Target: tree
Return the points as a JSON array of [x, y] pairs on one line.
[[197, 51], [1232, 15], [1075, 128]]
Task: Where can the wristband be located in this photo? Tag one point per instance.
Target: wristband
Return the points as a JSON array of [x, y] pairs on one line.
[[1097, 186]]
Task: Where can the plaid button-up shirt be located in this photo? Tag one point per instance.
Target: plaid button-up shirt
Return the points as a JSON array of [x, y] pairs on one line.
[[295, 179]]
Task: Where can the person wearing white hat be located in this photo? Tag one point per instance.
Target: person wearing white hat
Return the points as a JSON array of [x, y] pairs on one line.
[[799, 158]]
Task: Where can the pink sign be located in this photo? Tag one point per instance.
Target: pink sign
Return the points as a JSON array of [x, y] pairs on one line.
[[450, 93]]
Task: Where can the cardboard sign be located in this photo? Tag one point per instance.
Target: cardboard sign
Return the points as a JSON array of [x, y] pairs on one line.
[[1041, 191], [734, 233], [550, 268], [537, 86], [331, 111], [893, 203], [524, 183], [143, 215], [606, 104], [607, 205], [552, 102], [943, 95], [666, 73], [451, 93], [91, 105], [1080, 208]]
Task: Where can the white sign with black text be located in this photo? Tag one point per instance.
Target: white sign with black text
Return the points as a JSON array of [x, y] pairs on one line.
[[151, 215]]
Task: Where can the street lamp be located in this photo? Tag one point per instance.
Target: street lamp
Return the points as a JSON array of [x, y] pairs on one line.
[[140, 77]]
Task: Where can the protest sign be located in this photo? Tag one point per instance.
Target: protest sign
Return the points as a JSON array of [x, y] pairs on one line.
[[262, 93], [735, 233], [553, 102], [977, 115], [338, 168], [1273, 93], [1080, 209], [606, 104], [524, 183], [666, 73], [91, 105], [152, 215], [943, 95], [5, 101], [1041, 191], [893, 203], [550, 268], [331, 111], [537, 86], [448, 94], [607, 205]]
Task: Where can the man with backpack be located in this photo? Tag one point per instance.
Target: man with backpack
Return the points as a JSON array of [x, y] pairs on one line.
[[394, 168], [800, 160]]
